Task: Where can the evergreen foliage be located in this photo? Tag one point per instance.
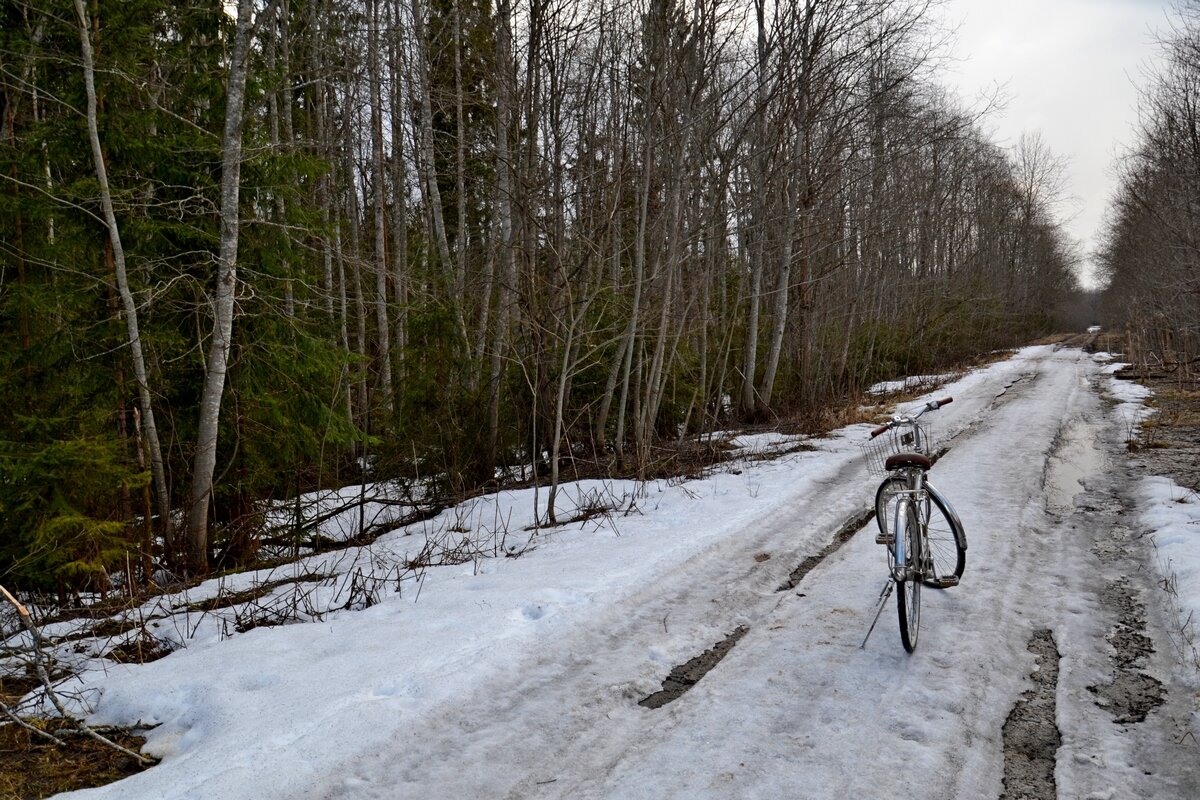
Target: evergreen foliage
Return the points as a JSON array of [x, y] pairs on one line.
[[642, 211]]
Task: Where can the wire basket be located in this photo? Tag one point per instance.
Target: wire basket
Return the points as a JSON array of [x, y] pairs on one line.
[[910, 438]]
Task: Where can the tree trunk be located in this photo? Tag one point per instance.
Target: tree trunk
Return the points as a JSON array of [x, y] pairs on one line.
[[149, 428], [226, 290], [400, 276], [505, 103], [428, 165], [631, 330], [381, 265]]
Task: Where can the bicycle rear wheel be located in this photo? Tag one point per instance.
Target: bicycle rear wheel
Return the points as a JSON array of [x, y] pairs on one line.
[[946, 556], [908, 588]]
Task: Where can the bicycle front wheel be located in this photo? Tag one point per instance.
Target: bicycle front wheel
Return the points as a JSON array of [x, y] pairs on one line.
[[946, 555], [908, 582]]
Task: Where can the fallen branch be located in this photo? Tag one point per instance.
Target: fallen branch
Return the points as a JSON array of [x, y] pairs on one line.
[[12, 716], [43, 673]]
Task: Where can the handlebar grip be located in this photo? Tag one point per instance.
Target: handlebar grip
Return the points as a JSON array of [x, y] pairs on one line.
[[945, 402], [879, 430]]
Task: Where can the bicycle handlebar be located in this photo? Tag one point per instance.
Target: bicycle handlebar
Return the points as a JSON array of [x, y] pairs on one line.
[[932, 405]]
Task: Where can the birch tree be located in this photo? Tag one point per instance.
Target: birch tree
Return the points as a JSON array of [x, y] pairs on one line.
[[158, 471], [225, 293]]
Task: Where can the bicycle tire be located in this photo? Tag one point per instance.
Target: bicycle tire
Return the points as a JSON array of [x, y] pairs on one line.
[[908, 590], [947, 556]]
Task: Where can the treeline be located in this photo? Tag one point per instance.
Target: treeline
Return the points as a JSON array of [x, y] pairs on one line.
[[327, 240], [1151, 251]]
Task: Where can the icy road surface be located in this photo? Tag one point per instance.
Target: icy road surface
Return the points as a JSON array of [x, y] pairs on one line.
[[520, 678]]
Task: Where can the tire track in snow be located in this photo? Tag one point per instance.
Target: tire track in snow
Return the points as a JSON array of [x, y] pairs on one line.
[[1031, 735], [582, 688], [688, 675]]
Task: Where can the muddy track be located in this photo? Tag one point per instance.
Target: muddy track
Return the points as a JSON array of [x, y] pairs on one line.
[[683, 677], [792, 670], [1117, 677], [849, 528], [1131, 694], [1031, 735]]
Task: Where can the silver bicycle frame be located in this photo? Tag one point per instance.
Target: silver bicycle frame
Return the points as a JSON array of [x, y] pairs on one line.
[[912, 495]]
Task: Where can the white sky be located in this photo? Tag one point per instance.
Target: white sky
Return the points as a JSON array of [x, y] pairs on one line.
[[1068, 69]]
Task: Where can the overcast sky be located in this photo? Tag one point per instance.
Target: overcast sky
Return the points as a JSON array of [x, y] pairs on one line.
[[1069, 70]]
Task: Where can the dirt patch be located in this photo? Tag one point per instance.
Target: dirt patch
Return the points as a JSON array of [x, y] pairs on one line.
[[14, 687], [142, 649], [1057, 338], [843, 535], [1031, 735], [1131, 694], [1169, 441], [685, 676], [32, 768], [1130, 697]]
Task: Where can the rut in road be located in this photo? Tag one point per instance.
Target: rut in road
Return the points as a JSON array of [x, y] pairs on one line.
[[850, 527], [796, 708], [686, 675], [1031, 735]]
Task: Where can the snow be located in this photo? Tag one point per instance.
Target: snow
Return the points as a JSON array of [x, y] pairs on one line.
[[1130, 396], [1168, 511], [911, 383], [1172, 513], [476, 674], [341, 514]]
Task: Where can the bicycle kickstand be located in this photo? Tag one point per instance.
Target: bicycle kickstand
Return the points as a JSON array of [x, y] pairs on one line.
[[884, 594]]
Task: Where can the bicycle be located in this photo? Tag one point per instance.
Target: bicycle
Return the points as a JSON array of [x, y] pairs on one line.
[[926, 542]]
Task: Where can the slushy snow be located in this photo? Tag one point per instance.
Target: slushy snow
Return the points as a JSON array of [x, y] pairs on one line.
[[502, 676]]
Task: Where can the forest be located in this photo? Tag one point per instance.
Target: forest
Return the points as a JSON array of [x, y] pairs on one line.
[[252, 249], [1151, 250]]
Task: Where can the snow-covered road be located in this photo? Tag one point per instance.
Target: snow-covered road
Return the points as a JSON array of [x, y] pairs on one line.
[[520, 678]]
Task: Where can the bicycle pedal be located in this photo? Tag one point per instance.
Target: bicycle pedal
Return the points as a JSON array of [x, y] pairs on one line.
[[945, 582], [885, 538]]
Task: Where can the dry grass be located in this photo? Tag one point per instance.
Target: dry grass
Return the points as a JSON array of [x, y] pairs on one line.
[[1109, 343], [820, 421], [1178, 408], [1169, 440], [1054, 338], [32, 768]]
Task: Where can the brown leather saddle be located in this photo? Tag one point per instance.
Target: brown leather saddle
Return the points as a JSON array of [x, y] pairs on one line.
[[903, 460]]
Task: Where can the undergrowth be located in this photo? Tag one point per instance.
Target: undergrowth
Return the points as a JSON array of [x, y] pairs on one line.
[[32, 768], [129, 628]]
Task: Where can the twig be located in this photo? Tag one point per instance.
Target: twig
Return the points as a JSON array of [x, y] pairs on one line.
[[22, 610], [8, 712], [43, 673], [81, 728]]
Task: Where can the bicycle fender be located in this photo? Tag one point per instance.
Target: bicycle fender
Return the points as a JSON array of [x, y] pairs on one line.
[[960, 533]]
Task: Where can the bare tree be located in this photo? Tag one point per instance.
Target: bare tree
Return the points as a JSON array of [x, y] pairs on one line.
[[157, 468], [221, 338], [374, 45]]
